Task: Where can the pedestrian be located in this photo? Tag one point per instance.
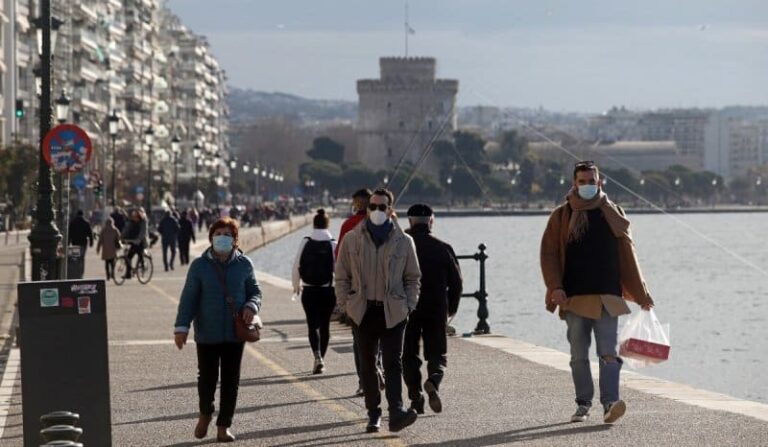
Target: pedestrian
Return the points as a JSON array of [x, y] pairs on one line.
[[377, 283], [109, 244], [119, 217], [222, 268], [80, 233], [169, 237], [590, 268], [439, 298], [136, 233], [186, 234], [313, 278], [202, 219]]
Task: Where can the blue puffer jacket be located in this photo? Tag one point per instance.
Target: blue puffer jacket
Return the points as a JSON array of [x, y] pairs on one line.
[[202, 299]]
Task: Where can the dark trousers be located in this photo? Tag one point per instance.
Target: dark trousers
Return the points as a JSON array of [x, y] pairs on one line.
[[133, 251], [432, 331], [184, 252], [371, 333], [109, 266], [172, 246], [318, 303], [209, 358]]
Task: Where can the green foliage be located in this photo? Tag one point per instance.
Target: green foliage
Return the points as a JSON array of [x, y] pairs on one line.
[[513, 148], [324, 148], [18, 175]]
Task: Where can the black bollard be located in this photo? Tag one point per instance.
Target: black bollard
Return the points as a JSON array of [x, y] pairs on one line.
[[62, 444], [61, 433], [482, 295], [59, 418]]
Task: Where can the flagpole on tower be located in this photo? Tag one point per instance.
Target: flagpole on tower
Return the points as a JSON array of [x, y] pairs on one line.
[[407, 28]]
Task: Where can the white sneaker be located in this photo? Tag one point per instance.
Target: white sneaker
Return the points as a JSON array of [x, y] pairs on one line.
[[581, 414], [614, 412], [319, 366]]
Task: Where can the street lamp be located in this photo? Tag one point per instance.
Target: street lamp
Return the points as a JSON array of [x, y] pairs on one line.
[[196, 150], [53, 30], [176, 149], [44, 237], [62, 107], [114, 124], [149, 138]]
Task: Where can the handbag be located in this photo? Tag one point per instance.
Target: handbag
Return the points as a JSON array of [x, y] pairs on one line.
[[247, 332]]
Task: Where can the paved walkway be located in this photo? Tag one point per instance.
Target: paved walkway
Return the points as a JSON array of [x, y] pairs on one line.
[[491, 397]]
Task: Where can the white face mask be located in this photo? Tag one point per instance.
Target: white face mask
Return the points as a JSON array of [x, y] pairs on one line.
[[378, 217], [587, 192]]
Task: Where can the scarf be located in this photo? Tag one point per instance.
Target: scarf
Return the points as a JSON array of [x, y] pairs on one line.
[[579, 222], [379, 233]]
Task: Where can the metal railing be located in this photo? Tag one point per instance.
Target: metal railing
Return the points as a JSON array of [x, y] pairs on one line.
[[481, 295]]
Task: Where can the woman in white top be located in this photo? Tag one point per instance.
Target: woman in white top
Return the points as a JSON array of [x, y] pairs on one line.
[[313, 278]]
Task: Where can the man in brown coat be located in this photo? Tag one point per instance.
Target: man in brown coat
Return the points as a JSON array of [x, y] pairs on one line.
[[589, 266]]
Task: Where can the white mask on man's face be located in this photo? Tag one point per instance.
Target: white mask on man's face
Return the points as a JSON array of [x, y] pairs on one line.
[[378, 217]]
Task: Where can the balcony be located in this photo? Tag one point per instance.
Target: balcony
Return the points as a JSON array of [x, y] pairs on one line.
[[88, 71], [85, 39], [85, 12], [23, 53]]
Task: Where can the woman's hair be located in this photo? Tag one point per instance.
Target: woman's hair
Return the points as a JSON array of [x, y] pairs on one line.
[[321, 220], [225, 222]]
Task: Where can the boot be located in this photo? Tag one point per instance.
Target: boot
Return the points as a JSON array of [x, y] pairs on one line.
[[201, 429], [224, 435]]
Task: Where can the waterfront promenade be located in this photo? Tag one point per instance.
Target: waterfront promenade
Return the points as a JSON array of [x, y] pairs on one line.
[[494, 394]]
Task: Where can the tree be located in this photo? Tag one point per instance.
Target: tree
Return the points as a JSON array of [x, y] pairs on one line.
[[18, 176], [324, 148], [512, 148], [326, 174], [471, 146]]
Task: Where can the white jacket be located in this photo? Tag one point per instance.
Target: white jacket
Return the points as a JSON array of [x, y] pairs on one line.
[[317, 235]]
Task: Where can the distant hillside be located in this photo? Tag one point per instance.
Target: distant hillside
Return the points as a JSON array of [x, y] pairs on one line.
[[250, 105]]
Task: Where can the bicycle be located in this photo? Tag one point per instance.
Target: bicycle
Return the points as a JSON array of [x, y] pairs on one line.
[[142, 267]]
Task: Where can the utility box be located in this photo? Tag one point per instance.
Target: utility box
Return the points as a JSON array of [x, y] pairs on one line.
[[64, 356], [75, 262]]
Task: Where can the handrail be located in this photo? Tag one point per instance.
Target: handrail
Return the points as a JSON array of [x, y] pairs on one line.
[[481, 294]]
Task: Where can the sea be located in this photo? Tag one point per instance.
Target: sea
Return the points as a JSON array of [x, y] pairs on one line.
[[708, 274]]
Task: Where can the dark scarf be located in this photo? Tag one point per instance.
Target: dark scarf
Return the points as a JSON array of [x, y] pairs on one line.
[[379, 233]]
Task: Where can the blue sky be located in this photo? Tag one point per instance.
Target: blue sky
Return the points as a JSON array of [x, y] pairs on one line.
[[576, 55]]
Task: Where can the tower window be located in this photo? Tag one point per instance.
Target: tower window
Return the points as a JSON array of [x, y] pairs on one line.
[[389, 152]]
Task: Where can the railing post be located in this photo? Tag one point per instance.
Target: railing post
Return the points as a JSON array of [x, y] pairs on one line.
[[482, 295]]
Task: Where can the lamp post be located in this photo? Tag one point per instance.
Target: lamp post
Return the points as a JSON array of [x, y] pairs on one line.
[[44, 237], [62, 112], [196, 150], [114, 124], [176, 149], [62, 107], [149, 138]]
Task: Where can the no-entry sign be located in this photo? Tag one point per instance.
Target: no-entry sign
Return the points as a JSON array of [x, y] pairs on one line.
[[67, 148]]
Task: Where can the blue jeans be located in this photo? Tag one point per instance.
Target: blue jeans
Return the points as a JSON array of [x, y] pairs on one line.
[[580, 336]]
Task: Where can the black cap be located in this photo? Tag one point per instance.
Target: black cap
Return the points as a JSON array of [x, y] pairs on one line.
[[419, 210]]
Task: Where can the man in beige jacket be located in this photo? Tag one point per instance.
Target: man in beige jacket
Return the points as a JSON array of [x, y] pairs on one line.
[[377, 284]]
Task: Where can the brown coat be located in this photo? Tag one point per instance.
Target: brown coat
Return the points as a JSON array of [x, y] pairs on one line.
[[109, 240], [553, 245]]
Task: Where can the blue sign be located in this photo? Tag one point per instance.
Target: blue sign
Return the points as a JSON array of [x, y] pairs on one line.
[[67, 148], [79, 182]]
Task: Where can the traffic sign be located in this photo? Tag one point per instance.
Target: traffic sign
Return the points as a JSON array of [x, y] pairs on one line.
[[67, 148], [79, 182]]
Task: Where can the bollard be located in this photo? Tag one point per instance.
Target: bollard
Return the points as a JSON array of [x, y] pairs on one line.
[[61, 433], [62, 444], [59, 426], [481, 294], [59, 418]]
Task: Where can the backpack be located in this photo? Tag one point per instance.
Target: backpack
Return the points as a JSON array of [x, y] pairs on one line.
[[316, 262]]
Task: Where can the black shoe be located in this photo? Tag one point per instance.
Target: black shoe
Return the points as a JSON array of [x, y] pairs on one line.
[[418, 405], [401, 419], [374, 423], [434, 399]]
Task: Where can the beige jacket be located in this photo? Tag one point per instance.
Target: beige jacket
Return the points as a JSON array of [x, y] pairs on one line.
[[395, 260]]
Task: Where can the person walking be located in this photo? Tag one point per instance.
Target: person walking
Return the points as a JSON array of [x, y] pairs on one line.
[[119, 217], [186, 234], [439, 297], [222, 268], [80, 232], [108, 245], [169, 237], [377, 283], [590, 268], [136, 233], [313, 278]]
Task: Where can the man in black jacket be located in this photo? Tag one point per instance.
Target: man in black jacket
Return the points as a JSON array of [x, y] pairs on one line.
[[80, 232], [169, 233], [439, 297]]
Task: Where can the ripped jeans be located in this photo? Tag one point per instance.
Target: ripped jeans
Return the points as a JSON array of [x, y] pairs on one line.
[[580, 337]]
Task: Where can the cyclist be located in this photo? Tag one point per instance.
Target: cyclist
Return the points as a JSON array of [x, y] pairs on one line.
[[136, 233]]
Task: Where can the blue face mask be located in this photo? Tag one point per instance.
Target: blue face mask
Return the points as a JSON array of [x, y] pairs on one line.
[[587, 192], [223, 243]]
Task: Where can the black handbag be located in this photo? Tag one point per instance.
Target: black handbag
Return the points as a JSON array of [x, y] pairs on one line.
[[247, 332]]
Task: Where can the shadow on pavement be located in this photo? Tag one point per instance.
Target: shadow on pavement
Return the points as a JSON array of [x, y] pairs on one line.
[[519, 435], [267, 380]]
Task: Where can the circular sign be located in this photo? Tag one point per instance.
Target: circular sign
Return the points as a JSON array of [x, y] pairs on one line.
[[67, 148]]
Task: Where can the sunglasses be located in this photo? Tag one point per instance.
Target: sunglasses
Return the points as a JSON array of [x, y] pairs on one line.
[[380, 207], [585, 164]]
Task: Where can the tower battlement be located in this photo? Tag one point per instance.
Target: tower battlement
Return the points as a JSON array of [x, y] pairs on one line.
[[408, 69]]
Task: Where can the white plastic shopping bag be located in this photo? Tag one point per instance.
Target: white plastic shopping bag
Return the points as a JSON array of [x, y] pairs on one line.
[[644, 340]]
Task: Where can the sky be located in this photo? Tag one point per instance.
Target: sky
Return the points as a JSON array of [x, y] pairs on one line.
[[563, 55]]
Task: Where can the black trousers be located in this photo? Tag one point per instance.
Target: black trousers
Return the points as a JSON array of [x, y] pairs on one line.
[[370, 334], [211, 357], [109, 266], [318, 303], [432, 330], [172, 246], [133, 251], [184, 252]]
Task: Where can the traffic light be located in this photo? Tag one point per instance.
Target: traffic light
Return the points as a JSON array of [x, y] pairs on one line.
[[99, 188], [20, 108]]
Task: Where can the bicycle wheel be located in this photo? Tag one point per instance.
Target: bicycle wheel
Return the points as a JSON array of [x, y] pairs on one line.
[[144, 269], [119, 274]]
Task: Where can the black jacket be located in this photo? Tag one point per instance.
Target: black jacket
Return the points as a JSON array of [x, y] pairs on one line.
[[186, 230], [169, 229], [80, 232], [441, 282]]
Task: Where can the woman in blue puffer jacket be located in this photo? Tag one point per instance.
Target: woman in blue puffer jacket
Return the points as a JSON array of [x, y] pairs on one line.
[[203, 301]]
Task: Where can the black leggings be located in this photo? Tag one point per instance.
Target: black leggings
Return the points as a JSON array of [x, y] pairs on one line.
[[211, 358], [318, 303]]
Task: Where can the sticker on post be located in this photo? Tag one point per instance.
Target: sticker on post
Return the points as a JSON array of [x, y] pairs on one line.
[[84, 305], [68, 302], [84, 289], [49, 297]]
